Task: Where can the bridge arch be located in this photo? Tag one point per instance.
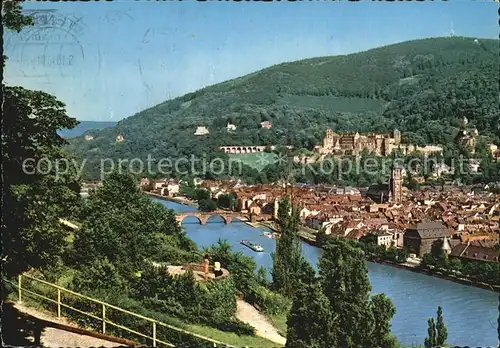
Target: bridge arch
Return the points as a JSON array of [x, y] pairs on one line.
[[226, 219], [182, 217]]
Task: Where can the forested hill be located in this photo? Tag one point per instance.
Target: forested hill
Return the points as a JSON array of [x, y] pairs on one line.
[[85, 126], [422, 87]]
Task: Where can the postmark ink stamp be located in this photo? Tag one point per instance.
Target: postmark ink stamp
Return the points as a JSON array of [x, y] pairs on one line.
[[51, 48]]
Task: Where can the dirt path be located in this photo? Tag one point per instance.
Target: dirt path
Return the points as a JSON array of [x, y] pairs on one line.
[[24, 330], [263, 327]]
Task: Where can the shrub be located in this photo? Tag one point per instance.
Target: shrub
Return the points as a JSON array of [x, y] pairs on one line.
[[238, 327], [270, 302]]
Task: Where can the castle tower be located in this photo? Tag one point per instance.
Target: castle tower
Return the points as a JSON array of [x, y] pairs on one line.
[[396, 184], [397, 137], [328, 139]]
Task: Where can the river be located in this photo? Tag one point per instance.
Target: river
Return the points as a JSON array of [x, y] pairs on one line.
[[470, 313]]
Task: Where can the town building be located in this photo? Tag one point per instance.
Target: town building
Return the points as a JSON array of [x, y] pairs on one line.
[[481, 251], [119, 138], [384, 237], [89, 137], [419, 237]]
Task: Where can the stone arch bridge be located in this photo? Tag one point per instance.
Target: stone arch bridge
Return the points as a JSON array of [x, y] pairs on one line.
[[227, 216], [203, 217]]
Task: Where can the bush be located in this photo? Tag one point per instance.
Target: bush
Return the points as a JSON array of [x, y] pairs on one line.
[[270, 302], [238, 327]]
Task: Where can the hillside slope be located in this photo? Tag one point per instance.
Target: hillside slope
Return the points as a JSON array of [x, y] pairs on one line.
[[85, 126], [422, 87]]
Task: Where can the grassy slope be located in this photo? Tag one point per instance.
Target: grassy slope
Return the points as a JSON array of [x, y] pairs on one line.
[[255, 160]]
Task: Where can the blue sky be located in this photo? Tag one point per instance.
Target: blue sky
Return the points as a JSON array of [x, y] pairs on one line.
[[107, 61]]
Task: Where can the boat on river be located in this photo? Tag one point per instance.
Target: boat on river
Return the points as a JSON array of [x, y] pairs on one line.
[[253, 246], [273, 235]]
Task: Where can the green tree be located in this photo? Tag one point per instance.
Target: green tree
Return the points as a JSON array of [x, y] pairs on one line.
[[442, 331], [34, 198], [226, 201], [310, 320], [437, 332], [207, 205], [344, 275], [289, 266], [352, 317], [201, 194], [383, 310], [428, 260], [430, 340], [128, 229], [240, 266], [439, 254]]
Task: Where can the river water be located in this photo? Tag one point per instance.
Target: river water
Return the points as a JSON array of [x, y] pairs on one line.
[[470, 314]]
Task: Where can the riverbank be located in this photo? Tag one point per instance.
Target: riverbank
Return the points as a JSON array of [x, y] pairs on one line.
[[179, 200], [440, 274], [308, 237]]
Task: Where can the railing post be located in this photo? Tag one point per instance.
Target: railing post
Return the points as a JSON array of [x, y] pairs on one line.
[[103, 318], [58, 303], [19, 287], [154, 333]]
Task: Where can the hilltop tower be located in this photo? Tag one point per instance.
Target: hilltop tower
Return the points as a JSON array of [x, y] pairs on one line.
[[328, 139], [397, 137], [396, 184]]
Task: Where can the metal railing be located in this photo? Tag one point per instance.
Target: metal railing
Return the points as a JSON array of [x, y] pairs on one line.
[[60, 290]]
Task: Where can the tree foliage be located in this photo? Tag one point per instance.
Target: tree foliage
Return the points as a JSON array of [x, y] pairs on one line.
[[355, 319], [128, 229], [41, 183], [437, 332], [289, 266], [311, 320]]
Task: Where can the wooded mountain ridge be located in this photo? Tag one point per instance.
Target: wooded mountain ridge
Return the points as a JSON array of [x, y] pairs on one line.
[[423, 87]]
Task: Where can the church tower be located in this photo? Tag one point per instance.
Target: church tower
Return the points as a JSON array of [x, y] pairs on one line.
[[396, 184]]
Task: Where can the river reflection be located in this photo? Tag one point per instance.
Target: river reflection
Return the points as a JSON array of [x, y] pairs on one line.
[[470, 314]]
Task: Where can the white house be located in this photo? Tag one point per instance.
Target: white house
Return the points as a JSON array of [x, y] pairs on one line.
[[231, 127], [201, 130], [384, 238]]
